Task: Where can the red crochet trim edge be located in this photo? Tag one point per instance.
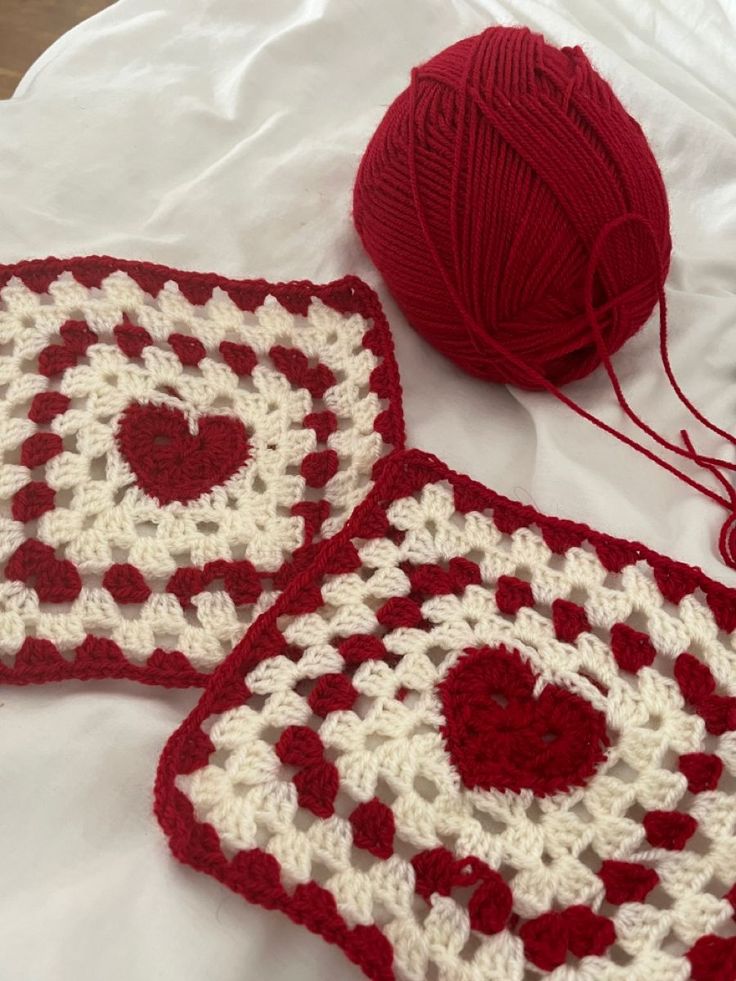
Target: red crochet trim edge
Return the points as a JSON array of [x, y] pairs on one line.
[[197, 844], [346, 295]]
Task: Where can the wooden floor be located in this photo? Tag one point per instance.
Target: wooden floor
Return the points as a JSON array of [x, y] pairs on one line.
[[28, 27]]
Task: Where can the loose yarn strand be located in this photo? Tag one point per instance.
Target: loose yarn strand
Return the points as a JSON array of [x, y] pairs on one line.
[[664, 354], [605, 357], [727, 536]]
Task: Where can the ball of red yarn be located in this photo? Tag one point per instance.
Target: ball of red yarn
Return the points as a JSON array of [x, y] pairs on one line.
[[500, 186]]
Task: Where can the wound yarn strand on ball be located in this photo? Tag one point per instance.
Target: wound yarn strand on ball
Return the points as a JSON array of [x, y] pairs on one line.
[[519, 218]]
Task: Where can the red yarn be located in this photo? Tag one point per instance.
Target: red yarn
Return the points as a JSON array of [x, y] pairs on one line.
[[519, 217], [169, 461], [374, 828], [439, 871], [500, 165], [713, 959], [627, 882], [35, 564], [547, 743], [577, 929]]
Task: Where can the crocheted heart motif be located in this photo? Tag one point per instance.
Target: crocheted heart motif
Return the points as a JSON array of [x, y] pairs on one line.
[[173, 448], [499, 735], [170, 462], [476, 743]]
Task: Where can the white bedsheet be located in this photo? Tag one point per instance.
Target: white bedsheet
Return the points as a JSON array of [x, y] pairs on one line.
[[224, 135]]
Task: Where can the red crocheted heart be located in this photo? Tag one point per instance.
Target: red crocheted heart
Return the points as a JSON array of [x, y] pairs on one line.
[[499, 735], [170, 462]]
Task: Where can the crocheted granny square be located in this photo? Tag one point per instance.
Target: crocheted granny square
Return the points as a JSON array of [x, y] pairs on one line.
[[173, 446], [474, 743]]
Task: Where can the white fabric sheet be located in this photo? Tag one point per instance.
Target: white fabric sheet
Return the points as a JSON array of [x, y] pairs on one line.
[[224, 135]]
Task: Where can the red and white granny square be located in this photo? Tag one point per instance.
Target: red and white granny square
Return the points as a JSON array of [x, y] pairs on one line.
[[474, 743], [173, 446]]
